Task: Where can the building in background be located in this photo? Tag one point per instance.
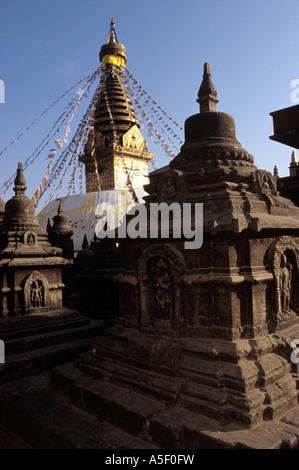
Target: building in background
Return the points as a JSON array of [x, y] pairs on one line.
[[286, 132], [116, 155]]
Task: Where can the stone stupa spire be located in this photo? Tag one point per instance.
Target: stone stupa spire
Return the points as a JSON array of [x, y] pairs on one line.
[[293, 165], [20, 183], [19, 214], [207, 94]]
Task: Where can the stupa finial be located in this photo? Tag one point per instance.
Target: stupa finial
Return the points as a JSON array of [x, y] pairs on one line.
[[293, 158], [59, 210], [113, 52], [20, 182], [85, 243], [112, 39], [207, 94]]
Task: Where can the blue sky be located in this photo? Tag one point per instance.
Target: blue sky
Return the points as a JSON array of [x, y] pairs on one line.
[[46, 46]]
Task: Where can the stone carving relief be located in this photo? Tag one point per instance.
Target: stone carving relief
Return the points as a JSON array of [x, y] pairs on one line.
[[161, 288], [170, 186], [265, 185], [283, 258], [160, 271], [264, 182], [285, 283], [35, 292], [37, 297]]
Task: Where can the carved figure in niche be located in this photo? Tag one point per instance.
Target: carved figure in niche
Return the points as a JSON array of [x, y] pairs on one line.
[[36, 295], [30, 240], [170, 186], [285, 283], [162, 289]]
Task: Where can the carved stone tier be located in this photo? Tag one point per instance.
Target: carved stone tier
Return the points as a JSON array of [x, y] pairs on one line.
[[195, 331], [244, 381]]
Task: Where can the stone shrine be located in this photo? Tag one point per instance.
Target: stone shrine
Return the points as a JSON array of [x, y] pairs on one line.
[[37, 330], [201, 351], [60, 234], [30, 265]]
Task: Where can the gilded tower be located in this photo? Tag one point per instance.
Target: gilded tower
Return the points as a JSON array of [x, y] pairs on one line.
[[116, 155]]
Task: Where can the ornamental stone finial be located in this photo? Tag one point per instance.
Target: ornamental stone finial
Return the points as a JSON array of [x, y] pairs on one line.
[[207, 94]]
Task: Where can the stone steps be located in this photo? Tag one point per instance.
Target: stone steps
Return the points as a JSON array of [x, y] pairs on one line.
[[60, 336], [22, 326], [9, 440], [66, 409], [169, 427], [119, 406], [35, 360], [41, 419], [43, 342]]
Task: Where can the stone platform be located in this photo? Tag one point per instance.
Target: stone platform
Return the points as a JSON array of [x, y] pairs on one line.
[[170, 426], [75, 412], [32, 415], [39, 341]]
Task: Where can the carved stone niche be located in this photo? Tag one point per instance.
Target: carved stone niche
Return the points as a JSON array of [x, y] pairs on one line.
[[160, 271], [283, 259], [170, 186], [30, 239], [36, 289]]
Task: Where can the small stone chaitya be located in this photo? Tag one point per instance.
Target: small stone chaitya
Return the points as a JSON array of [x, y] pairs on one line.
[[37, 330], [30, 267]]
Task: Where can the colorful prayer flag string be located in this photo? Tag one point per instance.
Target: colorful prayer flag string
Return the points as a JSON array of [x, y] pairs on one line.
[[152, 115], [45, 111], [72, 148], [161, 129]]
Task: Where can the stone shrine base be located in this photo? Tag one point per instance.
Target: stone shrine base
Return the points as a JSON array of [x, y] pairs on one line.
[[105, 403], [37, 342], [80, 413], [171, 427]]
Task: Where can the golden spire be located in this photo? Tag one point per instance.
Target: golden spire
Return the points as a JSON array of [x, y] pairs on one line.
[[111, 39], [113, 52]]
